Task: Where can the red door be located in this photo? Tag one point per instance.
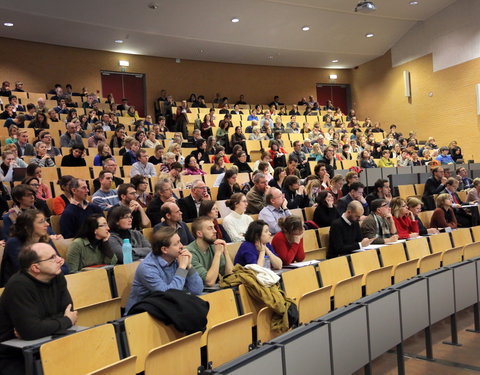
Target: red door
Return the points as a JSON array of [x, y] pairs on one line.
[[125, 85], [338, 94]]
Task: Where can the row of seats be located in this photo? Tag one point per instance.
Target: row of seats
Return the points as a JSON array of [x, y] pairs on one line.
[[235, 314]]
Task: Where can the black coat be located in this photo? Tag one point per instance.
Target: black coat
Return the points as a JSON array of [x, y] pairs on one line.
[[188, 208], [188, 313]]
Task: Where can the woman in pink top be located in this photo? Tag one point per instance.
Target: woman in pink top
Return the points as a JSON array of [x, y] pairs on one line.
[[191, 166]]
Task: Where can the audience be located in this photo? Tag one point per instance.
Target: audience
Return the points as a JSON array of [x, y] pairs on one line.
[[379, 225], [31, 226], [405, 222], [191, 204], [325, 212], [172, 217], [77, 210], [167, 266], [105, 197], [229, 185], [415, 206], [288, 243], [209, 209], [36, 303], [443, 216], [275, 209], [209, 254], [236, 222], [345, 235], [91, 246], [120, 224], [256, 247]]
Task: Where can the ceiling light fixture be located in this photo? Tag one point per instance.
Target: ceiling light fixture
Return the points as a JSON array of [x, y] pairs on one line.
[[123, 63], [365, 7], [270, 57], [306, 28], [332, 76], [413, 3], [119, 41], [8, 24], [335, 61], [235, 20], [369, 35]]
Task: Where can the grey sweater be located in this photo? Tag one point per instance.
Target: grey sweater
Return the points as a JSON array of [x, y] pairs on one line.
[[140, 246]]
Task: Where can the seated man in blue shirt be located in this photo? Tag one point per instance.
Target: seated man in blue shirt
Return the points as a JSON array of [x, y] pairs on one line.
[[168, 266]]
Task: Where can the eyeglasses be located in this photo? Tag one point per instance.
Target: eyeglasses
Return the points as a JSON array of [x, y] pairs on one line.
[[102, 225], [53, 258], [127, 217]]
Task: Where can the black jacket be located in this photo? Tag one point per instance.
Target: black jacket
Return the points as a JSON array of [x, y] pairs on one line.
[[188, 313], [188, 208]]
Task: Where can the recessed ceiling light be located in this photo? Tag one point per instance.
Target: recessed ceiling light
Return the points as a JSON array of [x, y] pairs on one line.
[[8, 24], [270, 57], [119, 41], [235, 20], [306, 28], [413, 2], [369, 35], [335, 61]]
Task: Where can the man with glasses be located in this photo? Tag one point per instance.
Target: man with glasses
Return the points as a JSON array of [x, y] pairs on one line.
[[108, 165], [379, 225], [78, 210], [345, 235], [434, 185], [190, 205], [36, 303], [275, 209]]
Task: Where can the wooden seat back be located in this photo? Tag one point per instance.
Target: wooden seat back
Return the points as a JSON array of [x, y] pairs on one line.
[[145, 333], [124, 275], [314, 304], [452, 256], [417, 248], [123, 367], [461, 237], [84, 351], [471, 251], [347, 291], [333, 270], [429, 263], [165, 359], [405, 270], [440, 242], [299, 281], [364, 262], [393, 254], [236, 332]]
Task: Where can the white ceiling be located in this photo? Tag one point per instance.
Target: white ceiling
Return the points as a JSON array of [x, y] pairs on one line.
[[269, 31]]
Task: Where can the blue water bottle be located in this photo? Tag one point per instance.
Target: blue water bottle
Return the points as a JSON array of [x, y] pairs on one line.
[[127, 251]]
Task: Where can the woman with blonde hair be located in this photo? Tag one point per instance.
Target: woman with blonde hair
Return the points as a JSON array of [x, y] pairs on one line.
[[104, 152], [314, 186], [42, 158], [415, 206], [336, 184], [176, 149], [152, 141], [405, 222]]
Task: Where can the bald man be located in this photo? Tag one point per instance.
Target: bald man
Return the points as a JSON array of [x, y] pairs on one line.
[[36, 303], [345, 234], [172, 217]]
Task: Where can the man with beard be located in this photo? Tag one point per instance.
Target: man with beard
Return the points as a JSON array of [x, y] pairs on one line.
[[209, 255]]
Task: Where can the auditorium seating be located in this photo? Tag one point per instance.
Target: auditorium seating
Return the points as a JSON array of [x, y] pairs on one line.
[[92, 297], [124, 366], [81, 352]]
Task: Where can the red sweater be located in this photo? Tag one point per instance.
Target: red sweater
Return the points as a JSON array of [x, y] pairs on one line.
[[286, 251], [405, 226]]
